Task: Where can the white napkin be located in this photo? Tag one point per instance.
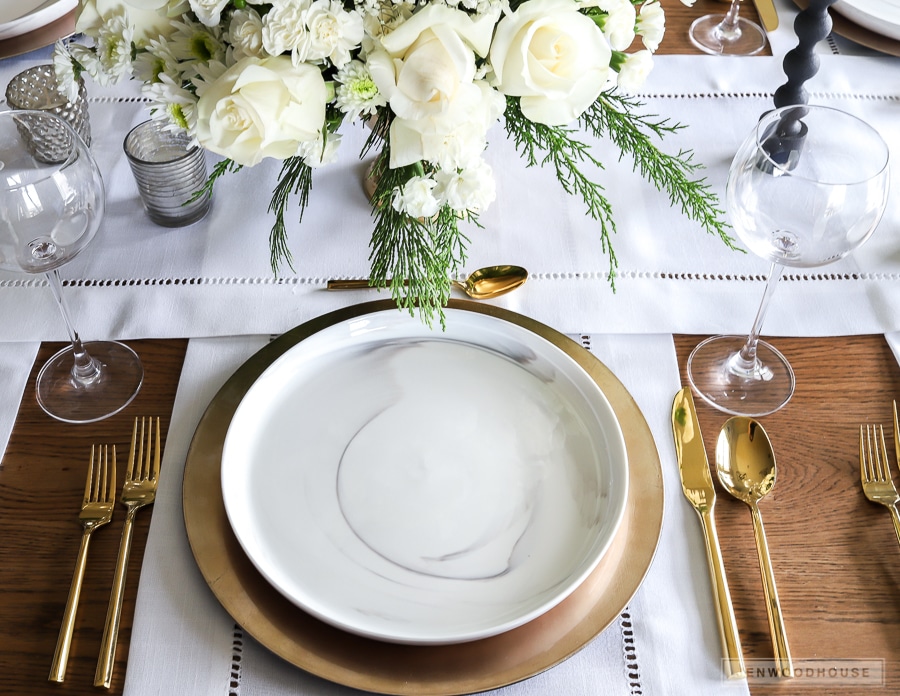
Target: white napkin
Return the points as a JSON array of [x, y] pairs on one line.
[[665, 643], [16, 360]]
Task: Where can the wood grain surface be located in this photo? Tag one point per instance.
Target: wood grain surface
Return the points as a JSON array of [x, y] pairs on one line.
[[835, 555], [42, 480]]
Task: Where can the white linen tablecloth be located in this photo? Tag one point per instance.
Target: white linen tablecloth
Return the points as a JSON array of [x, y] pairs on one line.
[[665, 642]]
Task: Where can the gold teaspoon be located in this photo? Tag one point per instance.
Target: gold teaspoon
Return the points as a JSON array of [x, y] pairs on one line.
[[483, 284], [746, 467]]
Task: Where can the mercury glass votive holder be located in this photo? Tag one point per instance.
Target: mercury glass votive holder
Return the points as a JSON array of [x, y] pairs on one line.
[[35, 89], [170, 173]]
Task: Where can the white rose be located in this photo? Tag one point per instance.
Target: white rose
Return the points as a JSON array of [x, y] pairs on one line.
[[453, 139], [633, 72], [261, 108], [149, 18], [424, 64], [553, 57]]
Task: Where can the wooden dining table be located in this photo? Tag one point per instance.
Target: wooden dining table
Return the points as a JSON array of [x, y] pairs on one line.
[[835, 555]]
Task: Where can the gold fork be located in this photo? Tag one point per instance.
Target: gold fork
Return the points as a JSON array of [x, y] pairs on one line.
[[96, 510], [139, 490], [875, 471]]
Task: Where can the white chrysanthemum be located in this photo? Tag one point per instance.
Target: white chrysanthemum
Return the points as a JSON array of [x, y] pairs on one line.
[[472, 189], [88, 60], [283, 26], [651, 24], [321, 152], [114, 46], [633, 72], [172, 104], [416, 198], [193, 43], [356, 93], [155, 60], [209, 12], [64, 66], [332, 32], [245, 33]]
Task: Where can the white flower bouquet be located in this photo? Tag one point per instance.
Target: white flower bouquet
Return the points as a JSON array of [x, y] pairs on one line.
[[251, 79]]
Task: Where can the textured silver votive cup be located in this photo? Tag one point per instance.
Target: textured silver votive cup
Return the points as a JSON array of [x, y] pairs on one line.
[[169, 172], [36, 89]]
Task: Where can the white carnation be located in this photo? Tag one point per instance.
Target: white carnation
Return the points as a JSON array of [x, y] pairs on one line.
[[619, 25], [283, 26], [209, 12], [416, 198], [320, 152], [651, 25], [245, 33], [633, 72], [472, 189], [331, 32]]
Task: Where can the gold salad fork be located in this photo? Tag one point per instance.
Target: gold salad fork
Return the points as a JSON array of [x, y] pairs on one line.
[[875, 471], [139, 490], [96, 510]]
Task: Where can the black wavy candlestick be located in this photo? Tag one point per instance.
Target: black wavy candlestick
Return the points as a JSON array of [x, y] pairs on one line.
[[811, 26], [800, 63]]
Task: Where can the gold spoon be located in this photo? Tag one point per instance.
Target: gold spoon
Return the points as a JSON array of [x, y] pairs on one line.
[[483, 284], [746, 466]]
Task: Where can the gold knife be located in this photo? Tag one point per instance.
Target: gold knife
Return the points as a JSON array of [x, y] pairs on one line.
[[767, 13], [696, 482]]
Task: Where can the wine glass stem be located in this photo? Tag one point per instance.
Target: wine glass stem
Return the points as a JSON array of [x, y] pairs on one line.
[[85, 369], [729, 28], [747, 356]]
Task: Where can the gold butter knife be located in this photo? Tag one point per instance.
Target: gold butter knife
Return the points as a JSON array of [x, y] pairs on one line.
[[696, 482], [767, 14]]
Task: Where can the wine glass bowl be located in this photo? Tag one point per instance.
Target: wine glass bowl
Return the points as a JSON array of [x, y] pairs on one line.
[[52, 201], [806, 187]]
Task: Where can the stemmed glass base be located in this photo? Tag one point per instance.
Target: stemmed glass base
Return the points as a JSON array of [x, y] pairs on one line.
[[88, 382], [725, 378], [723, 35]]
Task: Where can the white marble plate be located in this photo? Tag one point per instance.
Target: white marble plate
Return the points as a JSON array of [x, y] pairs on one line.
[[425, 487], [19, 17], [879, 16]]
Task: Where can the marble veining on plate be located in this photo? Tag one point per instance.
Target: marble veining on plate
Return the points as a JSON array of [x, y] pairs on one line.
[[420, 486]]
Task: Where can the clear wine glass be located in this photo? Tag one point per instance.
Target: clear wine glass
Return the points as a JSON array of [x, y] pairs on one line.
[[727, 34], [51, 202], [807, 187]]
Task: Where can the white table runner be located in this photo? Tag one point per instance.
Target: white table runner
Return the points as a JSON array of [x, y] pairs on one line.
[[213, 278], [666, 641]]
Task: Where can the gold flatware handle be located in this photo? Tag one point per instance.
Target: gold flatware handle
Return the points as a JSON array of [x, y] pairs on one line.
[[64, 642], [895, 517], [768, 15], [348, 285], [728, 631], [103, 675], [773, 606]]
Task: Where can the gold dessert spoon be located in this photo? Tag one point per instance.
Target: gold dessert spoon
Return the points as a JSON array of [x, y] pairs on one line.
[[746, 466], [483, 284]]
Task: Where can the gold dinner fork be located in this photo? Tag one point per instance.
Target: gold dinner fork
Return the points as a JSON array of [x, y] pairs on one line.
[[139, 490], [875, 471], [96, 510]]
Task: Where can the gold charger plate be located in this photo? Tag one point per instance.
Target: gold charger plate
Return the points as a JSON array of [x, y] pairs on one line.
[[33, 40], [842, 26], [389, 668]]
